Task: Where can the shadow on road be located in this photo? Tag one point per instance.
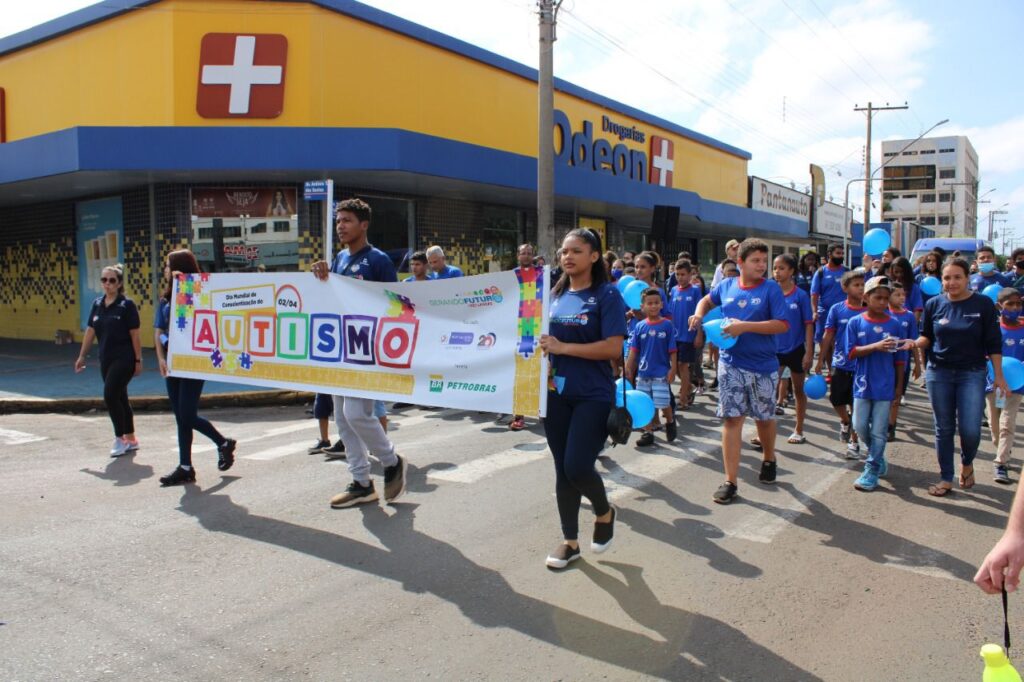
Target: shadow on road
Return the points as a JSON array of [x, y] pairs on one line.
[[123, 471], [696, 647]]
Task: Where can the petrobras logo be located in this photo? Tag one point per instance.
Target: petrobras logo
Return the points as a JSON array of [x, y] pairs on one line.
[[480, 298], [436, 383]]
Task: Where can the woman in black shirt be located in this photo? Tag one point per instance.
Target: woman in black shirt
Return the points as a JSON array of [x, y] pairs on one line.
[[114, 321]]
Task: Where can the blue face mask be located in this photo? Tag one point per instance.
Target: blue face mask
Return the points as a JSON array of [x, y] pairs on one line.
[[1011, 315], [986, 268], [616, 273]]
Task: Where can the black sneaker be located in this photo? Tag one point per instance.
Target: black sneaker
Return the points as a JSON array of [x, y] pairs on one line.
[[354, 494], [725, 493], [179, 477], [336, 451], [603, 533], [714, 385], [562, 556], [319, 447], [892, 434], [767, 474], [226, 454], [671, 431], [394, 480], [646, 439]]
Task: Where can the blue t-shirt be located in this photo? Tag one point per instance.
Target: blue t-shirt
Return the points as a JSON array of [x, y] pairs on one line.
[[586, 316], [412, 278], [449, 272], [804, 281], [908, 321], [838, 317], [979, 282], [759, 303], [827, 285], [368, 263], [682, 303], [874, 375], [962, 333], [1013, 344], [798, 316], [664, 312], [915, 299], [654, 344]]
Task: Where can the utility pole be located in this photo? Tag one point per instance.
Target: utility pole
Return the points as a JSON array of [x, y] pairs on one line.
[[991, 222], [871, 109], [952, 196], [546, 239]]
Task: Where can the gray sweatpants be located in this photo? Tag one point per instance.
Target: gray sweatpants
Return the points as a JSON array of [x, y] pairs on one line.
[[362, 433]]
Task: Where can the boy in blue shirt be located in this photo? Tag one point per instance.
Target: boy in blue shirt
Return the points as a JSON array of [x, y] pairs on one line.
[[754, 310], [873, 339], [682, 302], [834, 343], [907, 320], [987, 275], [652, 363], [417, 268], [1004, 419]]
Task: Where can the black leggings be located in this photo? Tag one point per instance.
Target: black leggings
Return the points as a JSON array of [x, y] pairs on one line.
[[576, 432], [184, 395], [116, 373]]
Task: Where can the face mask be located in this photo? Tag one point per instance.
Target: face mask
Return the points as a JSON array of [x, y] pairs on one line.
[[986, 268], [1011, 315], [616, 273], [836, 261]]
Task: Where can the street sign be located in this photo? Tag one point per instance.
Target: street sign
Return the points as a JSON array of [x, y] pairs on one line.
[[315, 190]]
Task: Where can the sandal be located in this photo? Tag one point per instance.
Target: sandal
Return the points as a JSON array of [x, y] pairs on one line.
[[796, 439], [940, 489], [756, 442], [967, 481]]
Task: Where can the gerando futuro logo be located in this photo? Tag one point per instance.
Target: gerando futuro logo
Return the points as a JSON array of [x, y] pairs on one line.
[[474, 299]]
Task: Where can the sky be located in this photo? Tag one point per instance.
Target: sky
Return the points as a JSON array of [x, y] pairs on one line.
[[778, 78]]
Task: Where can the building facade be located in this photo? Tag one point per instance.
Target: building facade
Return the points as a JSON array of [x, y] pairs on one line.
[[138, 127], [933, 182]]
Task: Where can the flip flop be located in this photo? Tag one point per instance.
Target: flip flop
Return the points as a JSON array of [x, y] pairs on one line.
[[755, 442], [939, 489], [967, 481]]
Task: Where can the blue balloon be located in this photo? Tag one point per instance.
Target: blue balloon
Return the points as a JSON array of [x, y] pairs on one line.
[[618, 390], [1013, 372], [931, 286], [624, 282], [713, 332], [634, 294], [715, 314], [992, 291], [876, 241], [815, 387], [640, 407]]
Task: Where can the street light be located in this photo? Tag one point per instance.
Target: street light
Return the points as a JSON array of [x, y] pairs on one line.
[[846, 200]]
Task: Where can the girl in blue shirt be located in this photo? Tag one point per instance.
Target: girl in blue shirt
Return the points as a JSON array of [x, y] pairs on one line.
[[902, 272], [931, 266], [588, 325], [794, 347]]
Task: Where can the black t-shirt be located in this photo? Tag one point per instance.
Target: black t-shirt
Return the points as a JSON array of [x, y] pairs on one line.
[[112, 325]]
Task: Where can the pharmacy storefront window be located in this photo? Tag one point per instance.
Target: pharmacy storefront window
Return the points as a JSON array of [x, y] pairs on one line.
[[245, 229], [500, 239], [392, 228]]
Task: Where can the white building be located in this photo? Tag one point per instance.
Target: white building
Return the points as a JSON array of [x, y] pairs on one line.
[[933, 182]]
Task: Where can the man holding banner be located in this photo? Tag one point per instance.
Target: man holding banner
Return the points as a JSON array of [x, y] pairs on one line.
[[360, 430]]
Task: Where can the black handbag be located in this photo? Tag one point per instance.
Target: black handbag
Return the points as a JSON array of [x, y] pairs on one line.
[[620, 423]]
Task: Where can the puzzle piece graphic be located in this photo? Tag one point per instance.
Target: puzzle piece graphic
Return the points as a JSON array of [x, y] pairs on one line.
[[181, 323], [245, 361], [217, 358]]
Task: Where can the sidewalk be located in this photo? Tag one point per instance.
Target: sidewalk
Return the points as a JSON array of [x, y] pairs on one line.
[[39, 376]]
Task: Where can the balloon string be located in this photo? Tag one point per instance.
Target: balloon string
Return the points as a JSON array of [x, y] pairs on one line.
[[1006, 625]]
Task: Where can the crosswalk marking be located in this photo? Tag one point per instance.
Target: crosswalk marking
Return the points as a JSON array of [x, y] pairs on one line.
[[482, 467], [12, 437]]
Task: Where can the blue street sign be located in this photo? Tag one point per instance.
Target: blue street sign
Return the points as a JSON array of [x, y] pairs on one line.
[[315, 190]]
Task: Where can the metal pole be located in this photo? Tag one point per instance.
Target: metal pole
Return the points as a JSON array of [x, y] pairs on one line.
[[328, 227], [546, 238], [867, 174]]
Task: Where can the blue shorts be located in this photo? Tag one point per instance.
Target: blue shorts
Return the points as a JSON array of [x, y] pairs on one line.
[[657, 388], [323, 406], [742, 393], [819, 327], [685, 352]]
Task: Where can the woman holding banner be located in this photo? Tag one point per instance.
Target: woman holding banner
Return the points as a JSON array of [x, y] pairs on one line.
[[587, 329], [184, 393]]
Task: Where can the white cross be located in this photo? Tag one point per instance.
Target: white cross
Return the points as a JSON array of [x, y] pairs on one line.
[[241, 75], [662, 162]]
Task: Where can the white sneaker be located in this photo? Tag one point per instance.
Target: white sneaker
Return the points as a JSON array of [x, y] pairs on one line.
[[119, 447], [853, 451], [133, 445]]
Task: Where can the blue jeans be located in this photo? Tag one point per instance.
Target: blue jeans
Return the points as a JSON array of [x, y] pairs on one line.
[[871, 422], [958, 401], [184, 395]]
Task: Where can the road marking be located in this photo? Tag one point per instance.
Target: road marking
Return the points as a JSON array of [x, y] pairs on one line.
[[304, 425], [477, 469], [12, 437], [405, 422], [275, 452]]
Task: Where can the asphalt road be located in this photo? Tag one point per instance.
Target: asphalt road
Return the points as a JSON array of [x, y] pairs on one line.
[[251, 576]]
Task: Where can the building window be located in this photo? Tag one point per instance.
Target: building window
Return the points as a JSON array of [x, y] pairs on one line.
[[903, 178], [947, 151], [928, 220], [259, 228], [943, 220], [947, 173], [890, 154], [708, 257], [281, 226], [944, 197], [927, 198], [927, 151], [910, 153]]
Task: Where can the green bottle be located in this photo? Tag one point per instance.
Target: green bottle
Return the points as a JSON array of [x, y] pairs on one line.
[[997, 665]]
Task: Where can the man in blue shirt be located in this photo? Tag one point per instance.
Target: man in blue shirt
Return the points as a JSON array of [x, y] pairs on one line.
[[361, 431], [754, 309], [418, 268], [987, 274], [440, 269], [827, 288]]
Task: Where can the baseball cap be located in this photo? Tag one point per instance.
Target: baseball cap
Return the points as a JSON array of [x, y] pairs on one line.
[[877, 283], [731, 243]]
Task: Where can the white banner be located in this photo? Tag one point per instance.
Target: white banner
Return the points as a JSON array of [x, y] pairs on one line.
[[469, 342], [829, 219], [772, 198]]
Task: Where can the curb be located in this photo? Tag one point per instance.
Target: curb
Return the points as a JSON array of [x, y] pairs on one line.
[[154, 403]]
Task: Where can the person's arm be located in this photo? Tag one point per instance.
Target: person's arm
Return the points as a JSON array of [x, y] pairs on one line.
[[605, 349], [87, 340], [137, 347], [764, 327], [1003, 563], [704, 306], [827, 340], [992, 342], [882, 346], [808, 345], [321, 270], [815, 292], [631, 363], [158, 347], [673, 370]]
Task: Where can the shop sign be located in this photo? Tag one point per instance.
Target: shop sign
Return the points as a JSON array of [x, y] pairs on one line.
[[241, 76], [772, 198], [234, 202], [583, 150], [829, 219]]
